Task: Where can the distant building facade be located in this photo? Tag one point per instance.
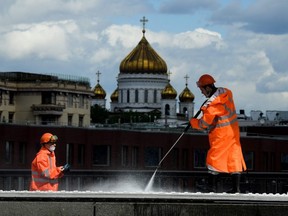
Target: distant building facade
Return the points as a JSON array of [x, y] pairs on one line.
[[30, 98], [99, 95], [143, 85]]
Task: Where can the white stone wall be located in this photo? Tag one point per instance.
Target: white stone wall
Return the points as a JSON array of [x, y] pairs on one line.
[[142, 83]]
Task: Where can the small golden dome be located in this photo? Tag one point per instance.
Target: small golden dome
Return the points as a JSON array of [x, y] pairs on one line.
[[99, 92], [168, 92], [186, 95], [114, 96], [143, 59]]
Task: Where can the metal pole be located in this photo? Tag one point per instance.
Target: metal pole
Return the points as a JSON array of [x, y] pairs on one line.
[[148, 187], [171, 148], [185, 130]]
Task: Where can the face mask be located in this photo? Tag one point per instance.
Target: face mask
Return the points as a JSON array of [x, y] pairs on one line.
[[52, 148]]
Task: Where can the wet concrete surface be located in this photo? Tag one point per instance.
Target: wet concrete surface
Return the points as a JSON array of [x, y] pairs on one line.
[[140, 204]]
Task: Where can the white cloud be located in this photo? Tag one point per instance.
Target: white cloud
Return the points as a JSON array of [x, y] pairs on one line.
[[32, 10], [196, 39], [77, 37], [101, 55], [41, 40], [274, 83], [124, 35]]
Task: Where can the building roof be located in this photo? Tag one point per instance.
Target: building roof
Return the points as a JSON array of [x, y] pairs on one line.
[[17, 76], [114, 95], [168, 92], [99, 92], [186, 95], [143, 59]]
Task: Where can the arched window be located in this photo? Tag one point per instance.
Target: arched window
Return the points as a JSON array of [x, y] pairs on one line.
[[167, 109], [184, 109], [155, 96], [146, 96], [128, 96], [136, 96], [121, 96]]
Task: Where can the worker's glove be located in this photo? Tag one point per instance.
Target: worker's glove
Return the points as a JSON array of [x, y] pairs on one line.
[[187, 127], [66, 168]]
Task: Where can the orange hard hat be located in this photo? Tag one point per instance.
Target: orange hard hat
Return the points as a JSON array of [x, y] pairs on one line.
[[204, 80], [48, 138]]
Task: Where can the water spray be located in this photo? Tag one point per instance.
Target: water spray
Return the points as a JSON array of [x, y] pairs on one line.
[[150, 183], [149, 186]]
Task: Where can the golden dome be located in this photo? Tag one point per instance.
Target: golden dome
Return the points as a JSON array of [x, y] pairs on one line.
[[114, 96], [143, 59], [168, 92], [186, 95], [99, 92]]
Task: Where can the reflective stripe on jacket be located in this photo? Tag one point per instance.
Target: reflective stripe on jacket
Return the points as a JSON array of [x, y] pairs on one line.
[[220, 119], [44, 172]]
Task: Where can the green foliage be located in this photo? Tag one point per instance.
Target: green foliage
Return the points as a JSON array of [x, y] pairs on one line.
[[99, 114], [102, 116]]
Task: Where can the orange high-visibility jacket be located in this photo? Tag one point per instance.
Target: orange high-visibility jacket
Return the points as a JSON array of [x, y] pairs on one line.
[[220, 119], [45, 174]]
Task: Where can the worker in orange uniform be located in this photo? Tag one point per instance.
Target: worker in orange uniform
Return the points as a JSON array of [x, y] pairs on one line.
[[220, 119], [45, 174]]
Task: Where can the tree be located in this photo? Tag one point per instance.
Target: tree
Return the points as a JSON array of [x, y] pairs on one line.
[[99, 114]]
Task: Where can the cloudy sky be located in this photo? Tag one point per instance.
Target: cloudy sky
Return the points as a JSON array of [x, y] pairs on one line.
[[243, 44]]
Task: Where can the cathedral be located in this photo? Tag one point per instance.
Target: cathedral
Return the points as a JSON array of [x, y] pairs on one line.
[[143, 85]]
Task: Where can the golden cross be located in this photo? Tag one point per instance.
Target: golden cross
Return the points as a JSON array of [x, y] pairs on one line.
[[98, 75], [186, 77], [144, 20], [169, 73]]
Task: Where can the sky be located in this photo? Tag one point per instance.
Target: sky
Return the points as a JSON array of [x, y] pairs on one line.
[[241, 43]]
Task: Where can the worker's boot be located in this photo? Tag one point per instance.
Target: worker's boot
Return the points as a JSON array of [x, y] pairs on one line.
[[209, 185], [212, 183], [235, 183]]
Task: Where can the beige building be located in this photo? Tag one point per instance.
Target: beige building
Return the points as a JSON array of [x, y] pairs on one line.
[[29, 98]]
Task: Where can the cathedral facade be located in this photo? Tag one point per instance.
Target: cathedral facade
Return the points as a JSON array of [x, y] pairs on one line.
[[143, 85]]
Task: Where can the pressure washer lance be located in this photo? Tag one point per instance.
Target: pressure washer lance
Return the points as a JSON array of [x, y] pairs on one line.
[[148, 187], [66, 167]]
